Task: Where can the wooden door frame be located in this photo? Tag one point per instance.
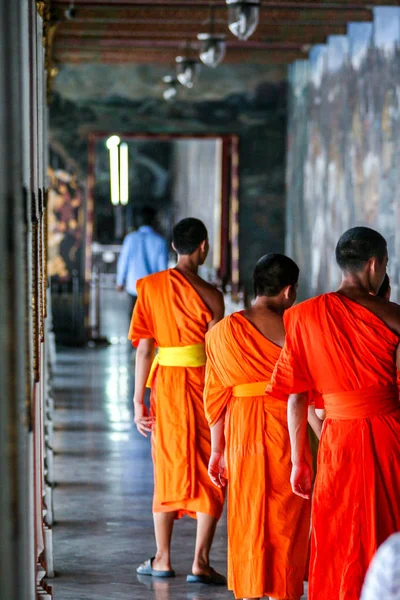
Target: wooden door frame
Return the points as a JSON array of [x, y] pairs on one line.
[[229, 269]]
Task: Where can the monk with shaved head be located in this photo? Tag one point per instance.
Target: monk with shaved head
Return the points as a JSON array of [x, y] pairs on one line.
[[343, 345], [174, 310], [268, 525]]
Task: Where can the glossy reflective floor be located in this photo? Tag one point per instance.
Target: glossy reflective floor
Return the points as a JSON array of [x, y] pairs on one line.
[[104, 481]]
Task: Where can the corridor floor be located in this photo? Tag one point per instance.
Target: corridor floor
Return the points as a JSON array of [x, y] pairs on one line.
[[103, 469]]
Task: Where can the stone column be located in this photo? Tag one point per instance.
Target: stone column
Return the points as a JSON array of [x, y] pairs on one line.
[[22, 165], [16, 561]]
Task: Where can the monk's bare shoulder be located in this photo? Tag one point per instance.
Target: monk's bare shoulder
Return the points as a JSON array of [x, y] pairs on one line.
[[388, 312], [212, 298]]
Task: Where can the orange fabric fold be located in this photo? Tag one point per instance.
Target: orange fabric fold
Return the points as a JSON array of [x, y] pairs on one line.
[[347, 354], [170, 311], [270, 559]]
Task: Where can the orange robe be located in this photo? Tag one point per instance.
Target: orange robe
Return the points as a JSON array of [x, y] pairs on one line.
[[268, 526], [347, 354], [170, 311]]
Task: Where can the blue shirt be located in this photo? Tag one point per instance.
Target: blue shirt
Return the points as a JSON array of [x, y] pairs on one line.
[[143, 252]]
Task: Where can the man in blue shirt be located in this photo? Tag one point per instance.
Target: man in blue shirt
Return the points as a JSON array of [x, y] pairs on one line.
[[143, 252]]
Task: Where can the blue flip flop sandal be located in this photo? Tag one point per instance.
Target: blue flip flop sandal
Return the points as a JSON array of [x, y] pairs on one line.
[[147, 569], [213, 579]]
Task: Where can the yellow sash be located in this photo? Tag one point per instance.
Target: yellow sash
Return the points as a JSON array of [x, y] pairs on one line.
[[246, 390], [178, 356]]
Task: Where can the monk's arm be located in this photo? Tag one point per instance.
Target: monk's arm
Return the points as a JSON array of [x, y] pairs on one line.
[[216, 467], [314, 421], [301, 478], [218, 435], [144, 359]]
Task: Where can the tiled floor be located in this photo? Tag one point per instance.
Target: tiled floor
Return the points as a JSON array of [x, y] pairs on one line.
[[103, 469]]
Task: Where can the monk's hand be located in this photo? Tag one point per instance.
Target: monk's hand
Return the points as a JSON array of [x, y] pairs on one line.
[[217, 469], [143, 421], [301, 479]]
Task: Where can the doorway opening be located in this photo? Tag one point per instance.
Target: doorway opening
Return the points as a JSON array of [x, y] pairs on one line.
[[178, 175]]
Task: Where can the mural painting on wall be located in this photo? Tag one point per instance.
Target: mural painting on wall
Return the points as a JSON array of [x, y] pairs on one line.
[[66, 225], [344, 134]]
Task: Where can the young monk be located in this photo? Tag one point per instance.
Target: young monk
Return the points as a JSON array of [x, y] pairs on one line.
[[268, 526], [343, 345], [174, 310]]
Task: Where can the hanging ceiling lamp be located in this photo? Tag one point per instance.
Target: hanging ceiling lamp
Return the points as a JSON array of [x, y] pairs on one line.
[[212, 46], [243, 17], [187, 70], [171, 90], [70, 12], [212, 49]]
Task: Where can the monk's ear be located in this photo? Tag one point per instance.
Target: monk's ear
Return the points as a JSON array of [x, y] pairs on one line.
[[173, 247], [372, 264], [287, 291], [290, 294], [204, 247], [373, 268]]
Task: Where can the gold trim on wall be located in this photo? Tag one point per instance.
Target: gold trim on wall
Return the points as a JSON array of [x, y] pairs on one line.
[[40, 5], [35, 301], [50, 25], [45, 251], [28, 301], [41, 268]]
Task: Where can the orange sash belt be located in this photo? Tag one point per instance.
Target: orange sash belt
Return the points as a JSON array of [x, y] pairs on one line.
[[361, 404], [247, 390]]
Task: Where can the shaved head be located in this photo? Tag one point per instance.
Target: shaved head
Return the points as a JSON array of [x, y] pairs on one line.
[[357, 246], [273, 273], [188, 234]]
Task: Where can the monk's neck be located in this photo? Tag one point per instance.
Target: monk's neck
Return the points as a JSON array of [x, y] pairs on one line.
[[356, 285], [264, 304], [187, 265]]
